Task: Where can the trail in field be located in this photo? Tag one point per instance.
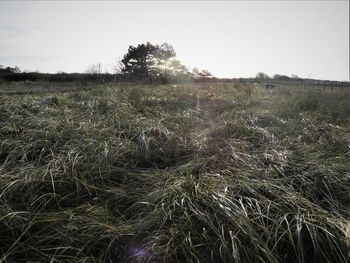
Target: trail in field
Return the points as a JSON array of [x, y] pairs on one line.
[[208, 108]]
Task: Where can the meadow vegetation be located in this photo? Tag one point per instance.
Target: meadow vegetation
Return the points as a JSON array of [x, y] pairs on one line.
[[197, 172]]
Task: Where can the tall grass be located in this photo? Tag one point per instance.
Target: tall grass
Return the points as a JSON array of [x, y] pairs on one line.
[[188, 173]]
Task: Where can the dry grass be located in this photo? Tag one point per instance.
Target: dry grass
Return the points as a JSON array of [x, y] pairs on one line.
[[187, 173]]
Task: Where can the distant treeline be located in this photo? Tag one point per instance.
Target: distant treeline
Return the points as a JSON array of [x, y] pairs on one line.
[[15, 74], [104, 77], [294, 79], [327, 82], [60, 77], [308, 82]]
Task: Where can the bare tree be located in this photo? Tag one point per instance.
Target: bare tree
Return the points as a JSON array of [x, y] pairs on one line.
[[94, 69], [118, 66], [201, 74]]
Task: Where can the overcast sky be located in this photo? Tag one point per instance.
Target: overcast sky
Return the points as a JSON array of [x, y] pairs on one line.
[[230, 39]]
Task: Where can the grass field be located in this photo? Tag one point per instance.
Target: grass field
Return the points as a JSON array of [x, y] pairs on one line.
[[211, 172]]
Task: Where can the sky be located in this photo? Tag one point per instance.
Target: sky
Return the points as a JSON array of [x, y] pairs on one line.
[[229, 38]]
